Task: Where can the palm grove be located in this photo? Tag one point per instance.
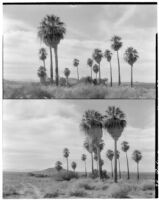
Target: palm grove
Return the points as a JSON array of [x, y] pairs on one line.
[[52, 30], [92, 125]]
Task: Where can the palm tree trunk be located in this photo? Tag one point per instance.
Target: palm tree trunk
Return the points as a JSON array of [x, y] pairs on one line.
[[91, 72], [127, 166], [131, 75], [92, 163], [115, 162], [51, 66], [56, 63], [67, 165], [99, 73], [138, 177], [44, 64], [85, 169], [96, 76], [119, 77], [67, 80], [119, 169], [111, 81], [112, 168], [99, 166]]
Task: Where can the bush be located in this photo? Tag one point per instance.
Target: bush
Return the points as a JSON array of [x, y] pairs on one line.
[[9, 191], [66, 176], [118, 191], [38, 175], [105, 175], [94, 175], [148, 186], [86, 186], [86, 80], [51, 195], [78, 193], [62, 81]]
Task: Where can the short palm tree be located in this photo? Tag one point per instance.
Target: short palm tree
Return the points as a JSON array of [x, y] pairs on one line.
[[108, 56], [131, 56], [51, 31], [91, 125], [97, 56], [58, 165], [125, 147], [42, 74], [116, 45], [89, 147], [118, 158], [43, 55], [66, 155], [115, 123], [67, 73], [76, 63], [96, 69], [74, 165], [137, 156], [83, 158], [90, 64], [110, 155]]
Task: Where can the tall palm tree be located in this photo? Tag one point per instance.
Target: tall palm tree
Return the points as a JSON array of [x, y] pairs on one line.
[[43, 55], [116, 45], [118, 158], [58, 165], [42, 74], [137, 156], [125, 147], [110, 155], [131, 56], [74, 165], [91, 124], [67, 73], [89, 147], [90, 64], [51, 31], [96, 69], [76, 63], [97, 56], [108, 56], [83, 158], [115, 123], [66, 155]]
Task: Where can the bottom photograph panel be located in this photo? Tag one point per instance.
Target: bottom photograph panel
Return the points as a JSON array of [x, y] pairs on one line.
[[79, 149]]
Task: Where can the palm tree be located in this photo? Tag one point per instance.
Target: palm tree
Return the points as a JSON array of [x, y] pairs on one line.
[[101, 164], [115, 123], [91, 124], [118, 158], [137, 156], [42, 74], [66, 155], [96, 159], [51, 31], [74, 165], [131, 56], [125, 147], [108, 56], [43, 55], [116, 45], [76, 63], [58, 165], [83, 158], [97, 56], [67, 73], [89, 147], [90, 64], [110, 155], [96, 69]]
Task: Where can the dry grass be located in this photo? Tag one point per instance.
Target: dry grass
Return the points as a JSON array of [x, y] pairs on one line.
[[20, 90]]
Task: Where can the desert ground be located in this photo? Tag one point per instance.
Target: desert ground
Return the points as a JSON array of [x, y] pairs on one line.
[[80, 90], [52, 184]]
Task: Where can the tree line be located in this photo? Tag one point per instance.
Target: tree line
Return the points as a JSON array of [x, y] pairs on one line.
[[52, 30], [92, 124]]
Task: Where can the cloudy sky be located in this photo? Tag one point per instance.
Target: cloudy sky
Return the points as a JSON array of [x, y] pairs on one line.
[[36, 132], [88, 27]]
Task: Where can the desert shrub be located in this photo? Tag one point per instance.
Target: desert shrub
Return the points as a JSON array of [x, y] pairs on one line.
[[118, 191], [78, 193], [94, 175], [95, 82], [51, 195], [148, 186], [86, 186], [62, 81], [86, 80], [104, 174], [66, 176], [9, 191], [38, 175]]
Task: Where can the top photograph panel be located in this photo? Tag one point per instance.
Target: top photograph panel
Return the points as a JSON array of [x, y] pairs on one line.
[[79, 51]]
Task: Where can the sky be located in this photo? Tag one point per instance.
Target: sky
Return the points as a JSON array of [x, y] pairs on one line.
[[87, 27], [36, 132]]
